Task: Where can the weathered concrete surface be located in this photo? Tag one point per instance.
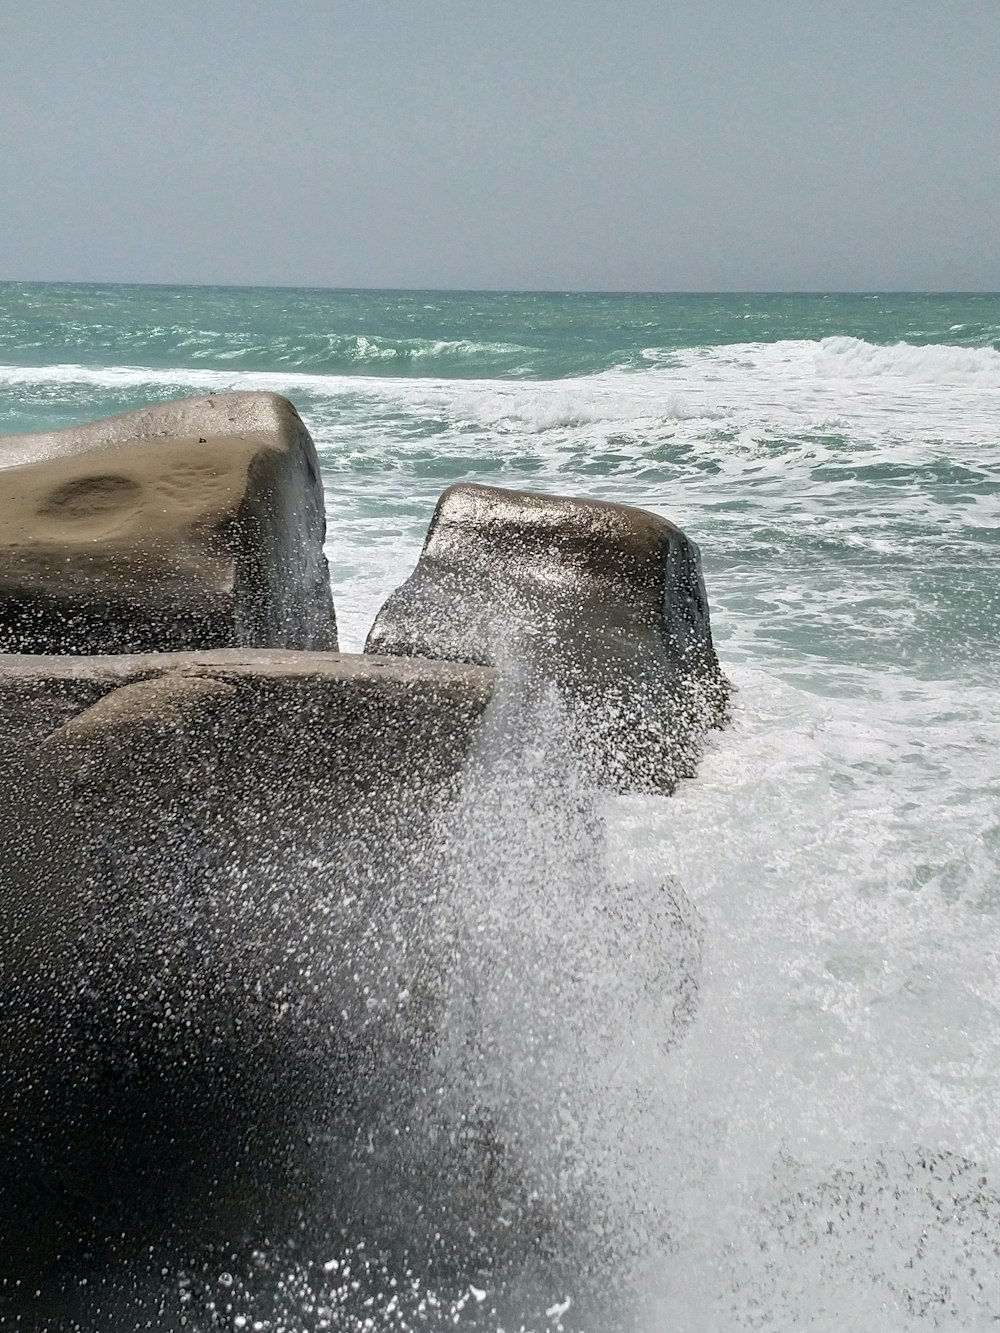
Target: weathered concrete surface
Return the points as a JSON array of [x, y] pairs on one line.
[[192, 524], [601, 602], [217, 934]]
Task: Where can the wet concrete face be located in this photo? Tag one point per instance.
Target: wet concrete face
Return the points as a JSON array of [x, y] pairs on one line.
[[603, 602], [220, 956]]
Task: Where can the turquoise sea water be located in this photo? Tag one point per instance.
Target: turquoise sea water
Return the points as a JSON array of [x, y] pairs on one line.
[[838, 460]]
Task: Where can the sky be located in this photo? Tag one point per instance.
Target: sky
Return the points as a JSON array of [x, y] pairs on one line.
[[661, 145]]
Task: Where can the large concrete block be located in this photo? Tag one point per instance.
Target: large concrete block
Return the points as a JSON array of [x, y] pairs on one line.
[[602, 603], [219, 940], [193, 524]]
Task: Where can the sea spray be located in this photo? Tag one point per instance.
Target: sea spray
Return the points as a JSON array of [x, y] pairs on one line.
[[565, 982], [505, 1185]]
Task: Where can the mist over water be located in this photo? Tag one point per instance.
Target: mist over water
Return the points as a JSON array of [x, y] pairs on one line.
[[742, 1044]]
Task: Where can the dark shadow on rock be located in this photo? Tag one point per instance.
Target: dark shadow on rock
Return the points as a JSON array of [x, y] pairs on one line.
[[220, 956]]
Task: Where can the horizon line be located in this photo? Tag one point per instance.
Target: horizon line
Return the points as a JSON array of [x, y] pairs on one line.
[[513, 291]]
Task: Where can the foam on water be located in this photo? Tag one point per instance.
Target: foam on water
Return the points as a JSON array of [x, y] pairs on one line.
[[839, 853]]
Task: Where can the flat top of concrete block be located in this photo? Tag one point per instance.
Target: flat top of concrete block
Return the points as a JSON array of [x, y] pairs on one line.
[[284, 691], [470, 504], [249, 664], [552, 538], [215, 416]]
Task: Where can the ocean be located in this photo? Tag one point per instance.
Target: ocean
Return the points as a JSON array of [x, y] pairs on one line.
[[822, 1141]]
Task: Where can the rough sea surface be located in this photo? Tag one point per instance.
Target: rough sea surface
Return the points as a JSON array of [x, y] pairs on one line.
[[819, 1149]]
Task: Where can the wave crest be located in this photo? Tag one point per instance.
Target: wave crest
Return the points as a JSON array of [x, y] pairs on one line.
[[934, 363]]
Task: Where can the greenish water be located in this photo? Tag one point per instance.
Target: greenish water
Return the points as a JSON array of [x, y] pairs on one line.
[[519, 334], [838, 460]]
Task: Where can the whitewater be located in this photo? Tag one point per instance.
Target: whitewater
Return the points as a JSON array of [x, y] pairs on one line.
[[817, 1148]]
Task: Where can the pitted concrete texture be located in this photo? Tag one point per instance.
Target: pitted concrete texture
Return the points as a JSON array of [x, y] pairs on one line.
[[192, 524]]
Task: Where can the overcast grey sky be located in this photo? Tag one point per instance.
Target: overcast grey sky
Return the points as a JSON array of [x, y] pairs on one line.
[[643, 144]]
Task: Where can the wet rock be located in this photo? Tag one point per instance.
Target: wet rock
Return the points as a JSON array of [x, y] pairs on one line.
[[592, 607], [218, 937], [193, 524]]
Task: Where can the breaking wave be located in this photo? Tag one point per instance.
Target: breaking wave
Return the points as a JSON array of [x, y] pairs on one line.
[[934, 363]]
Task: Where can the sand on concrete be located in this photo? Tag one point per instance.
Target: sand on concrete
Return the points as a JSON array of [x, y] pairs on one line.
[[186, 525]]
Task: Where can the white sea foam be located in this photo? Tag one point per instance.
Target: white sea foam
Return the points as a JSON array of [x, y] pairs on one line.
[[848, 1015], [841, 842]]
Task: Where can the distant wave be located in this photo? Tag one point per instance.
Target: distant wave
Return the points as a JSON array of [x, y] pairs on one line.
[[348, 351], [160, 347], [122, 379], [182, 355], [766, 397], [851, 358]]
